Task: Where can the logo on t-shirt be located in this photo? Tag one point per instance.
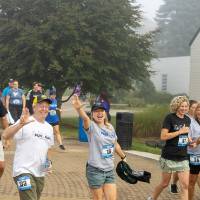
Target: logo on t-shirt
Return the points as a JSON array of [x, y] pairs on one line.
[[177, 127], [42, 136], [107, 134]]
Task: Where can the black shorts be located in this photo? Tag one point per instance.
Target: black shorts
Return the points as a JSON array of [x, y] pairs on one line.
[[194, 169], [54, 124]]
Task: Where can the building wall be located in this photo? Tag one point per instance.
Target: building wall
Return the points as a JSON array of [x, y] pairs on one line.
[[195, 69], [174, 71]]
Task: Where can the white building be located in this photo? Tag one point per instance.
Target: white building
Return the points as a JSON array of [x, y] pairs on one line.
[[172, 74], [195, 67]]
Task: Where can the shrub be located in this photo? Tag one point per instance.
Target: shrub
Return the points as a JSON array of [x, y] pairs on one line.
[[148, 123]]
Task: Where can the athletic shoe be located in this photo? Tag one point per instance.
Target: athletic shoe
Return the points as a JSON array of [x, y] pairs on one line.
[[62, 147], [174, 189], [149, 198]]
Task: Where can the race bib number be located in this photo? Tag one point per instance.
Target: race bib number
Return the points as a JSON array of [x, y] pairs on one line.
[[16, 101], [24, 183], [107, 150], [195, 159], [183, 140], [52, 112]]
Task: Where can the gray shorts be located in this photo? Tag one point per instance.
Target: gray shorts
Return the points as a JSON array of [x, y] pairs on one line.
[[1, 152], [170, 166], [97, 178]]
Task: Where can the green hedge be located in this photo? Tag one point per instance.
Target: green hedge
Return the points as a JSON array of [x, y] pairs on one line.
[[148, 122]]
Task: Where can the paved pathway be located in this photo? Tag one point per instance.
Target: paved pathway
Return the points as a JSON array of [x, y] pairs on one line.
[[68, 180]]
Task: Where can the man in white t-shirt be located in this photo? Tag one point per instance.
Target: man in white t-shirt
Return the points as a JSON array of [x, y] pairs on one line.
[[4, 124], [33, 137]]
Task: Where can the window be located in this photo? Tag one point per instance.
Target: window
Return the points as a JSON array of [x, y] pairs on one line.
[[164, 82]]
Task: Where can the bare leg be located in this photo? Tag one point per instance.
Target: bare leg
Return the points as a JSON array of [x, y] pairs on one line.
[[192, 181], [184, 183], [56, 130], [97, 194], [110, 191], [163, 184]]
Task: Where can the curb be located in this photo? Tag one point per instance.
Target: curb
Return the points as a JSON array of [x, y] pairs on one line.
[[144, 154]]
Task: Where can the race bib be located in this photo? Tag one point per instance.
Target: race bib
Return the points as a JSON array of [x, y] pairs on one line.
[[52, 112], [24, 183], [107, 150], [16, 101], [183, 140], [195, 159]]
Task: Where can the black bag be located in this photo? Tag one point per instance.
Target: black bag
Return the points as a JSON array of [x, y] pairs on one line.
[[131, 176]]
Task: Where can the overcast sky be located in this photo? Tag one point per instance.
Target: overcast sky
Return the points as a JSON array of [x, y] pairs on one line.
[[149, 7]]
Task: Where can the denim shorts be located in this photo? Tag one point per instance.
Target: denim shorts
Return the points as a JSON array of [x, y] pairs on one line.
[[170, 166], [97, 177]]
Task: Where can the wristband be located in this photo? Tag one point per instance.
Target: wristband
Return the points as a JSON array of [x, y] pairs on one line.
[[123, 157]]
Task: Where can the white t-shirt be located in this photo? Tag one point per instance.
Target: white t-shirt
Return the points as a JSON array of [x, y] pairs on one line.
[[32, 144]]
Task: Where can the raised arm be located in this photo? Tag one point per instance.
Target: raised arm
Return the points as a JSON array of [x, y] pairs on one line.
[[78, 106]]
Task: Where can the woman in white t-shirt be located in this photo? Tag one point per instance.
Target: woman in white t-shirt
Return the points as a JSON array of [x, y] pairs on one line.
[[102, 142]]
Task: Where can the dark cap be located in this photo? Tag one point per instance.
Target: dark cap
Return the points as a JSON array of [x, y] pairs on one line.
[[11, 80], [52, 92], [97, 105], [42, 98]]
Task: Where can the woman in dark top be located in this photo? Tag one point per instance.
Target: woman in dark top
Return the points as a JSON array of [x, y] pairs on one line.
[[174, 154]]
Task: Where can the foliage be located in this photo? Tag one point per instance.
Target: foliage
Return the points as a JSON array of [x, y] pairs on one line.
[[140, 146], [144, 93], [148, 122], [64, 42], [178, 21]]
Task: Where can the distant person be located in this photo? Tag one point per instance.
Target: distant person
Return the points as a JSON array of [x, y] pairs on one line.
[[15, 101], [6, 90], [4, 124], [40, 88], [53, 118], [33, 137], [36, 91]]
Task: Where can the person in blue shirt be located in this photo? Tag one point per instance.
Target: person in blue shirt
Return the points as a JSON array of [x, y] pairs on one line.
[[15, 101], [53, 119], [6, 90]]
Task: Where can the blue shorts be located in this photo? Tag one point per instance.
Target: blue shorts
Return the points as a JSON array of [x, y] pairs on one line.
[[97, 177]]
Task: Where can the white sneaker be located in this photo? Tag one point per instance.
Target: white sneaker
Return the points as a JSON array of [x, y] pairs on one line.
[[149, 198]]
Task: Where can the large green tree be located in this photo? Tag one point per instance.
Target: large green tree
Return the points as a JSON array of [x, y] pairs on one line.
[[178, 21], [64, 42]]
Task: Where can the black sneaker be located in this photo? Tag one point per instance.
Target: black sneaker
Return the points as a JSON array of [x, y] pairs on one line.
[[174, 189], [62, 147]]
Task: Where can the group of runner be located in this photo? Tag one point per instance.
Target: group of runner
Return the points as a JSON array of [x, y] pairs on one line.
[[30, 167], [181, 153]]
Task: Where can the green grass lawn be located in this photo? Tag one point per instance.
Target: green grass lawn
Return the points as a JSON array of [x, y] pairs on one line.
[[69, 129], [140, 146]]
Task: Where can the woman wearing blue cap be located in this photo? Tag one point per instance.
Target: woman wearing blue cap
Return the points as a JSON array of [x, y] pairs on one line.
[[53, 119], [102, 142]]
